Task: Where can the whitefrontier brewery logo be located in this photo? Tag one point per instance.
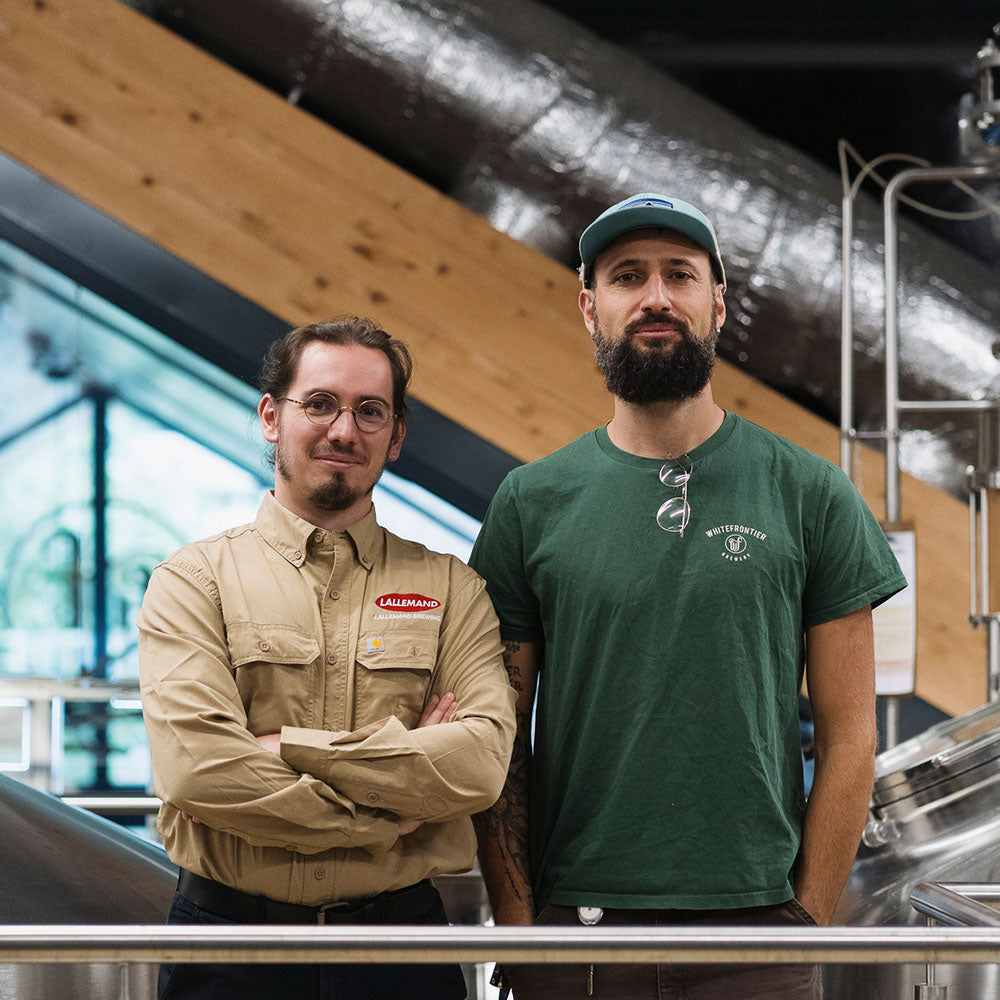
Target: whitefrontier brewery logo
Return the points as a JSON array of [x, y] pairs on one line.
[[736, 540], [407, 602]]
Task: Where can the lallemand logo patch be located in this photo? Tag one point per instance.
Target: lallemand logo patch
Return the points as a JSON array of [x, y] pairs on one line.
[[407, 602]]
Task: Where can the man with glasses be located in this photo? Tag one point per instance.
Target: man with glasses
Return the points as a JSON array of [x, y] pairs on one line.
[[326, 703], [662, 582]]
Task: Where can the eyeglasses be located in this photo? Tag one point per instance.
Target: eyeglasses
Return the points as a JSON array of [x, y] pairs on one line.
[[324, 408], [675, 513]]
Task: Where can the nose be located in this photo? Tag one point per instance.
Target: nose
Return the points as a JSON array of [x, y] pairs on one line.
[[343, 427], [655, 294]]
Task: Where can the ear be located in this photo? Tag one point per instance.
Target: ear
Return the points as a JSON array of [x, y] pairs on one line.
[[587, 308], [396, 441], [720, 307], [267, 410]]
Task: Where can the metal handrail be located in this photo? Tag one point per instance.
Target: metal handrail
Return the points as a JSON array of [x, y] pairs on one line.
[[958, 904], [115, 805], [696, 945]]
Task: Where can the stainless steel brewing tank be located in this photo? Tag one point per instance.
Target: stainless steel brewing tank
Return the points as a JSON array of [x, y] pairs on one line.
[[934, 817], [61, 865]]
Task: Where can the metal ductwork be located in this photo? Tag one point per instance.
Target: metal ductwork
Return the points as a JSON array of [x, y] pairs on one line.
[[60, 865], [536, 124]]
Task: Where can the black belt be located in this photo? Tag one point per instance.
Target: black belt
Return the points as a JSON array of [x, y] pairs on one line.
[[395, 907]]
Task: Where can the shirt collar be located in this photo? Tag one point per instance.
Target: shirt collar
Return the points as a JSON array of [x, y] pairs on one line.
[[289, 534]]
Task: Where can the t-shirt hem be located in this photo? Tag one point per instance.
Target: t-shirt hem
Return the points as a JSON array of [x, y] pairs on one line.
[[672, 901]]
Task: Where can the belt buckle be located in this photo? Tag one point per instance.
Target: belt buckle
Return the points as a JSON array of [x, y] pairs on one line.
[[321, 913]]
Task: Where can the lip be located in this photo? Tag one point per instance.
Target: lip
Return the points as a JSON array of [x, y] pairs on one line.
[[656, 332], [337, 461]]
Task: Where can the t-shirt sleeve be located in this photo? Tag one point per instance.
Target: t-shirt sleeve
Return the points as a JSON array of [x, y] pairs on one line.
[[499, 558], [850, 561]]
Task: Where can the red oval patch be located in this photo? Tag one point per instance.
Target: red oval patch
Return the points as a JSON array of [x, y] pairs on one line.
[[407, 602]]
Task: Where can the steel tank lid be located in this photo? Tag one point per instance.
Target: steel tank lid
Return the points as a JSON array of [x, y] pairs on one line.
[[941, 753]]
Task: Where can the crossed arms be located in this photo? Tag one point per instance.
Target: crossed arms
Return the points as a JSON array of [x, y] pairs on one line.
[[325, 789]]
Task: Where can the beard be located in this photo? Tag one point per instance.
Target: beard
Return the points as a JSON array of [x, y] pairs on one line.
[[658, 373], [335, 494]]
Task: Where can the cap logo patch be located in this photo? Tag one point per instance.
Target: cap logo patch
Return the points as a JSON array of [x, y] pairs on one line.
[[649, 201], [406, 602]]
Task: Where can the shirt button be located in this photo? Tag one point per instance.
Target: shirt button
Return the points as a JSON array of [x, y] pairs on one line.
[[318, 536], [297, 554], [334, 595], [264, 645], [319, 874], [331, 657], [373, 796]]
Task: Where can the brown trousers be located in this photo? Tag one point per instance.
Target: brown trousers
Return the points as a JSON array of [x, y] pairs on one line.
[[672, 982]]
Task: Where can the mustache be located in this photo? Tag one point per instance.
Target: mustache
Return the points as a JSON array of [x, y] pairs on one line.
[[631, 329], [337, 453]]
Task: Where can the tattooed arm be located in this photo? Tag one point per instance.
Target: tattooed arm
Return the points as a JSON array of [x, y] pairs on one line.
[[503, 829]]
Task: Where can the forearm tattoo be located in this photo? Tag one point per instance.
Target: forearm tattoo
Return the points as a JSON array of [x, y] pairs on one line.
[[506, 822]]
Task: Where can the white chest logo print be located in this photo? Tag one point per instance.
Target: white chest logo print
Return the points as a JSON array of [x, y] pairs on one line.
[[738, 541]]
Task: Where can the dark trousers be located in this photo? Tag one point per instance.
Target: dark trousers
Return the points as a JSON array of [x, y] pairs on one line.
[[234, 981], [671, 982]]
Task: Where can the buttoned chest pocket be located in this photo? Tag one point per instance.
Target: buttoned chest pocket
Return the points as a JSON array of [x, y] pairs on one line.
[[393, 677], [274, 667]]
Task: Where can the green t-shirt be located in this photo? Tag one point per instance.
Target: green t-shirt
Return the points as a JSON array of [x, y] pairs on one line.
[[666, 769]]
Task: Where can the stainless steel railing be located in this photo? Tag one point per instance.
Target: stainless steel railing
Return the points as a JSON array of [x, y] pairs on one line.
[[149, 944], [956, 904]]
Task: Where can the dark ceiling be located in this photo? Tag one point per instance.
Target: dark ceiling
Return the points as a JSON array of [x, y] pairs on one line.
[[886, 75]]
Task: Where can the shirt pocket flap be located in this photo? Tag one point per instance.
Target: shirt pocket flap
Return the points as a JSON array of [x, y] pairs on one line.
[[249, 642], [397, 652]]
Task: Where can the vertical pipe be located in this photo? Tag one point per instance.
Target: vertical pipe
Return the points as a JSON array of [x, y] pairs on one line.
[[970, 473], [891, 357], [993, 657], [100, 401], [984, 551], [846, 334], [100, 469]]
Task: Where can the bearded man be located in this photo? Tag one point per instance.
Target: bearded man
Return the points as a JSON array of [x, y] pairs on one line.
[[662, 583], [326, 703]]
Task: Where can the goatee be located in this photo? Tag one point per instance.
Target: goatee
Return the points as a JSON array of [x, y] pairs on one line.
[[655, 374], [333, 495]]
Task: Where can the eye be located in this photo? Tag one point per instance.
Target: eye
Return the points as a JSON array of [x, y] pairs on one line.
[[626, 278], [374, 409], [321, 405]]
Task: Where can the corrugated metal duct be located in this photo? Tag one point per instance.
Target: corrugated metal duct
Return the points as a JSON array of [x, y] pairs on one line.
[[536, 124]]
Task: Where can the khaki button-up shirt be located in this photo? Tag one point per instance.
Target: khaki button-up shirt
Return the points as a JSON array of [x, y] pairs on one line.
[[335, 639]]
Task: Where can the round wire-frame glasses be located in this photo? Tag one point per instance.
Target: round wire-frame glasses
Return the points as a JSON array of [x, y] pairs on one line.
[[675, 513], [324, 408]]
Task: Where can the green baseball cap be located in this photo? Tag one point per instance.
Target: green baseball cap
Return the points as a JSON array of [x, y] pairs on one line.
[[645, 211]]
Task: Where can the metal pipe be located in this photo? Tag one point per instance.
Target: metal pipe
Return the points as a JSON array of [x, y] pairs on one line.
[[115, 805], [981, 892], [953, 904], [984, 551], [973, 560], [946, 405], [892, 408], [846, 334], [59, 943], [993, 656]]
